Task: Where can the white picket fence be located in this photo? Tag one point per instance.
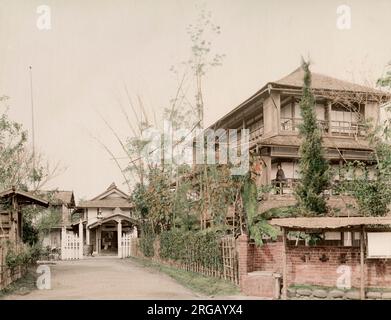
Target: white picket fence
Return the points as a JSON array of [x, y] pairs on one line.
[[126, 244], [70, 246]]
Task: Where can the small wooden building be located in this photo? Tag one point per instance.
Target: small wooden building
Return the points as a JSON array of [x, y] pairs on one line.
[[11, 218]]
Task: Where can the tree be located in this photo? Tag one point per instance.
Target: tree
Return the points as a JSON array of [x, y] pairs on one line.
[[314, 169], [385, 80], [202, 57], [20, 168], [369, 182]]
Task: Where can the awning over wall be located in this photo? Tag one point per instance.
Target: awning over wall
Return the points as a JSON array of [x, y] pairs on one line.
[[329, 222]]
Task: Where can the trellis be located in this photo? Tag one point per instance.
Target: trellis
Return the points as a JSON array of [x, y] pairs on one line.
[[224, 267], [230, 261]]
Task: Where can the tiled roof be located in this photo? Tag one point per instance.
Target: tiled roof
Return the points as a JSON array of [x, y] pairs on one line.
[[320, 81], [112, 187], [106, 203], [57, 197]]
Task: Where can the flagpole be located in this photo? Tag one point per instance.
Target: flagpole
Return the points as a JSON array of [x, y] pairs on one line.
[[32, 115]]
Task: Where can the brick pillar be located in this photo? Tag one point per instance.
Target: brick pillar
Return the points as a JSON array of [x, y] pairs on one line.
[[242, 247]]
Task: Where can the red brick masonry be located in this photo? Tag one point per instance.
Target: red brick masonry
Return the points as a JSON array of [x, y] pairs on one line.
[[312, 265]]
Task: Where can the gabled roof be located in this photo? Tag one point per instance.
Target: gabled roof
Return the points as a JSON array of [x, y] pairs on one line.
[[105, 201], [110, 190], [58, 197], [322, 82], [24, 197], [294, 80]]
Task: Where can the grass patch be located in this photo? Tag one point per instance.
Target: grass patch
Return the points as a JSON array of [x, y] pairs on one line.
[[196, 282], [379, 289], [22, 286]]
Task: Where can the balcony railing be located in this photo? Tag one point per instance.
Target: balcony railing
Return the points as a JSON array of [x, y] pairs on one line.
[[256, 133], [287, 186], [333, 128], [346, 128]]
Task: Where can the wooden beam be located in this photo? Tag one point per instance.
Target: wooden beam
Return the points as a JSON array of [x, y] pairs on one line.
[[284, 266], [362, 264]]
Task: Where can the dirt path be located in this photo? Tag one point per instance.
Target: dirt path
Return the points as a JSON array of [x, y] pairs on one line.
[[108, 278]]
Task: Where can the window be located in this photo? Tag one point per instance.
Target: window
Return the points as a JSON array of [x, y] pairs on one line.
[[98, 213], [379, 244]]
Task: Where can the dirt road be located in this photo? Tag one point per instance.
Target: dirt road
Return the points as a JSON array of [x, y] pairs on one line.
[[108, 278]]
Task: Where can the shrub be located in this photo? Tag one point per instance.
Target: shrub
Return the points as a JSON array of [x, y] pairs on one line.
[[202, 247], [28, 256], [12, 259], [146, 240]]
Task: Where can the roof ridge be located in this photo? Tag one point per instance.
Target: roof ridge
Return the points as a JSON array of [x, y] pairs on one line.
[[324, 81]]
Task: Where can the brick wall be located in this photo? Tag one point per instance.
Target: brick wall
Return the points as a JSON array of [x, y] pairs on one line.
[[305, 265], [318, 265], [267, 257]]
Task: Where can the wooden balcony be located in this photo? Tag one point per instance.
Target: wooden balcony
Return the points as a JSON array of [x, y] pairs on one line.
[[331, 128], [256, 133], [287, 187]]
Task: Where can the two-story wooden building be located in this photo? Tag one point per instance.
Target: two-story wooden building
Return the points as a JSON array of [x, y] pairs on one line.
[[272, 115]]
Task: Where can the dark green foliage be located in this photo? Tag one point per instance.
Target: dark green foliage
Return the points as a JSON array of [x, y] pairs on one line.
[[185, 217], [146, 240], [258, 226], [372, 193], [314, 169], [30, 233], [202, 247], [385, 80], [27, 256], [17, 165], [221, 190], [138, 198]]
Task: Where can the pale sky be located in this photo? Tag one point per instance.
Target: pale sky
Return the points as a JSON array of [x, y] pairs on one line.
[[94, 46]]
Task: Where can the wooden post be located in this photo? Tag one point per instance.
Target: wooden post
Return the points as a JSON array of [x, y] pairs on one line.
[[81, 241], [284, 266], [119, 238], [14, 219], [362, 271], [88, 236], [98, 239], [329, 123], [63, 242]]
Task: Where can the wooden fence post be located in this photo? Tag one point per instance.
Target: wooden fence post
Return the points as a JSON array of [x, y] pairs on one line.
[[284, 266]]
